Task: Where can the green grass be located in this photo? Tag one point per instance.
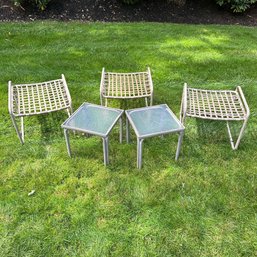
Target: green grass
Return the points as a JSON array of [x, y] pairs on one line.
[[202, 205]]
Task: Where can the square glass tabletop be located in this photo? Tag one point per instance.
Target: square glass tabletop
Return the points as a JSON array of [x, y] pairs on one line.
[[93, 119], [154, 120]]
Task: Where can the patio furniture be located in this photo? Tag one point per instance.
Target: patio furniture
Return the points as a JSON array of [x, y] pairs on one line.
[[224, 105], [37, 98], [153, 121], [126, 86], [95, 120]]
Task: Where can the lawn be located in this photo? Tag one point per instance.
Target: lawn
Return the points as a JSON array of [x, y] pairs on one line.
[[202, 205]]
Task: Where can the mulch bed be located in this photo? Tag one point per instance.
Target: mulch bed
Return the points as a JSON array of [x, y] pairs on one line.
[[194, 12]]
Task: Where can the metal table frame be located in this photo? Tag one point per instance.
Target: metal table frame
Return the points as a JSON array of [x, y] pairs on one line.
[[140, 139], [105, 137]]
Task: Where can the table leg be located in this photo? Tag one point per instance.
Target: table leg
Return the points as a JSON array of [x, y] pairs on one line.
[[181, 134], [106, 150], [66, 134], [139, 152], [121, 129], [127, 130]]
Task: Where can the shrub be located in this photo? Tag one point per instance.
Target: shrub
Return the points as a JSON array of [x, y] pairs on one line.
[[40, 4], [236, 5]]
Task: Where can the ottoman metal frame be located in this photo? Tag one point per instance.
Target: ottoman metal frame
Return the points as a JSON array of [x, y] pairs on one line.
[[126, 86], [37, 98], [223, 105]]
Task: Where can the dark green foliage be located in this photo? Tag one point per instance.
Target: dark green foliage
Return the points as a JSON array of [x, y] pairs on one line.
[[237, 5], [40, 4]]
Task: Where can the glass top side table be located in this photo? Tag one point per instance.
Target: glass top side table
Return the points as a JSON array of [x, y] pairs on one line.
[[153, 121], [95, 120]]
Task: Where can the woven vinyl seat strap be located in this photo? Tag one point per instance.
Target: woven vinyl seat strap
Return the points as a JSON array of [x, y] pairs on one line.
[[127, 85], [215, 104], [31, 99], [226, 105]]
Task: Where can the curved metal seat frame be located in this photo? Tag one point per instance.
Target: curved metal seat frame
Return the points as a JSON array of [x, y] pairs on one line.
[[37, 98], [224, 105], [126, 86]]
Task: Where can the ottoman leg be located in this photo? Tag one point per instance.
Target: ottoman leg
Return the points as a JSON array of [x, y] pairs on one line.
[[20, 134], [121, 129]]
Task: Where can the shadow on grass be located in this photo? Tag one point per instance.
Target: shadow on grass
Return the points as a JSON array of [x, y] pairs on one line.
[[50, 125]]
